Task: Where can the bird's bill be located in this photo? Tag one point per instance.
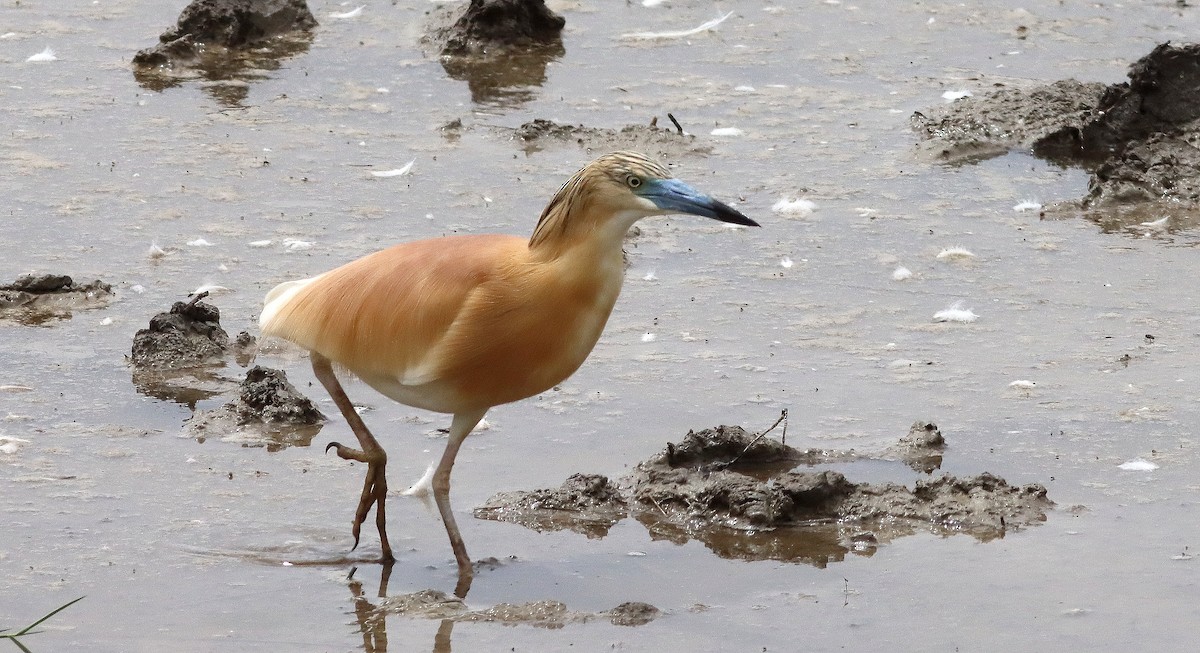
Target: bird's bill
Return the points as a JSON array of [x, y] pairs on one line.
[[677, 197]]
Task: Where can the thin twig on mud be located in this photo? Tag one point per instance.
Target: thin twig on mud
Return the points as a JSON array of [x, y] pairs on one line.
[[782, 418], [197, 297], [676, 123], [658, 505]]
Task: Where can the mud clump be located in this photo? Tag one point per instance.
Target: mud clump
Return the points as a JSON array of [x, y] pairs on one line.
[[487, 27], [585, 503], [268, 408], [742, 495], [1140, 139], [228, 24], [34, 299], [657, 141], [189, 335], [228, 41]]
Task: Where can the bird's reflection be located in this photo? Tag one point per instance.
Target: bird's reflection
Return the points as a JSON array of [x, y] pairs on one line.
[[372, 621]]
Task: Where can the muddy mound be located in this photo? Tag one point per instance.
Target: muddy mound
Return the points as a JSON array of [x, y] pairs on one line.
[[223, 40], [656, 141], [188, 335], [228, 24], [742, 495], [1006, 119], [497, 27], [268, 408], [1140, 139], [33, 299]]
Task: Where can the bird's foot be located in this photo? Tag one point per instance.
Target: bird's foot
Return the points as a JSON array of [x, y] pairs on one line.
[[374, 493]]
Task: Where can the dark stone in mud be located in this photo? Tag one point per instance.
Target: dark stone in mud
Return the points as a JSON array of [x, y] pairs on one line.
[[485, 26], [1141, 138], [189, 335], [226, 23], [33, 299], [731, 489], [269, 403]]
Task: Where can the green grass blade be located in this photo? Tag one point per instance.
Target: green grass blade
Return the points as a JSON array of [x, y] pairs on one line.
[[26, 629]]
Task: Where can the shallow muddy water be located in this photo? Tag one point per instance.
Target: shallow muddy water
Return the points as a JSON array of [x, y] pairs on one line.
[[236, 542]]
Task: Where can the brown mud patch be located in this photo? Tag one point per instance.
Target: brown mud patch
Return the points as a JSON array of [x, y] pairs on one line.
[[230, 42], [1139, 139], [267, 409], [742, 496], [35, 299]]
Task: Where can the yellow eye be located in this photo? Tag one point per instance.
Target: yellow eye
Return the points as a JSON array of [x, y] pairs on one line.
[[633, 181]]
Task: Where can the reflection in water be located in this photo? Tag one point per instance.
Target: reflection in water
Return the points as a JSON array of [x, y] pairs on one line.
[[503, 81], [228, 71], [184, 386]]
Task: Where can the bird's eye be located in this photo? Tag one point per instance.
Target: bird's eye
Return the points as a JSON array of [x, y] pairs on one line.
[[633, 181]]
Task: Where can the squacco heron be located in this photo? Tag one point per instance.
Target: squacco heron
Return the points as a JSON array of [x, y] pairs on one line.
[[462, 323]]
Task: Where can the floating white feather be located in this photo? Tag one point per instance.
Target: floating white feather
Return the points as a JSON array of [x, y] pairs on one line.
[[799, 208], [951, 96], [424, 485], [650, 36], [955, 313], [955, 254], [1027, 205], [727, 131], [293, 245], [1138, 465], [398, 172], [901, 273], [353, 13], [44, 55]]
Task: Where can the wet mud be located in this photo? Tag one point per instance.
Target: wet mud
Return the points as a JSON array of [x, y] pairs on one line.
[[34, 299], [226, 41], [661, 142], [1140, 139], [434, 604], [745, 497], [268, 409]]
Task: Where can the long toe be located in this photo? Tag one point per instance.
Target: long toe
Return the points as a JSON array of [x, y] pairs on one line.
[[348, 453]]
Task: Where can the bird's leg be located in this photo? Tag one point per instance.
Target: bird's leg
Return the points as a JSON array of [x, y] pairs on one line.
[[375, 484], [459, 428]]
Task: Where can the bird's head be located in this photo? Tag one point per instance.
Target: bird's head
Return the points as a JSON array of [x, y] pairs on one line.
[[611, 193]]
